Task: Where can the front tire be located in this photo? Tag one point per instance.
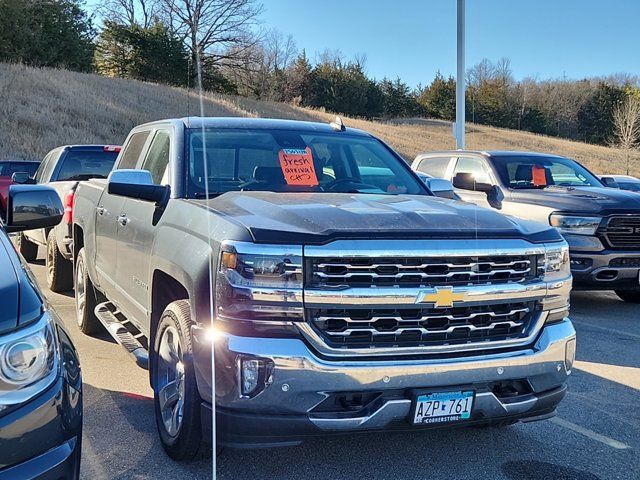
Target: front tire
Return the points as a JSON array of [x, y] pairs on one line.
[[629, 296], [27, 248], [86, 300], [59, 269], [176, 397]]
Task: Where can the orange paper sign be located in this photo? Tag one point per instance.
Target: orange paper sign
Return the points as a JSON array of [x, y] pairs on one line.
[[297, 166], [539, 176]]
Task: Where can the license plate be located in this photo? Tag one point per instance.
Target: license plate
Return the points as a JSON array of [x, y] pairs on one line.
[[443, 407]]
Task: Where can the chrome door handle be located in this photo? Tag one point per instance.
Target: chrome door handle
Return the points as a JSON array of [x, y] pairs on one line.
[[123, 220], [100, 210]]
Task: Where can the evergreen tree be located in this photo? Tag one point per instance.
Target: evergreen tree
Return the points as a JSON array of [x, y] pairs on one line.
[[298, 81], [149, 54], [595, 116], [52, 33]]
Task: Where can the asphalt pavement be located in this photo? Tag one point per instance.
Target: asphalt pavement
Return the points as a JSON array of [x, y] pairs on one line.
[[596, 434]]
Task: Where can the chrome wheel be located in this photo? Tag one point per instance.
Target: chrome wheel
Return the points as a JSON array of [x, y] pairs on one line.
[[81, 292], [170, 381]]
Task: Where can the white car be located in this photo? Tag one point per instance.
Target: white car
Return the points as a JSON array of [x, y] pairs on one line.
[[624, 182]]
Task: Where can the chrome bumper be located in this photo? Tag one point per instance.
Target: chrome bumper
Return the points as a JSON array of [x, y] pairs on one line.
[[301, 380]]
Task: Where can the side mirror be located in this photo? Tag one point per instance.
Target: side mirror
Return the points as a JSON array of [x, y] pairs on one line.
[[495, 196], [22, 178], [466, 181], [441, 187], [32, 206], [610, 182], [136, 184]]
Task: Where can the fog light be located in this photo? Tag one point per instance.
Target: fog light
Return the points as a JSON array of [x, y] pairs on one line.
[[255, 375], [570, 355]]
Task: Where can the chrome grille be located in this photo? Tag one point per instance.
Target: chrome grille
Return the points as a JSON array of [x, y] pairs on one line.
[[417, 271], [405, 327], [622, 232]]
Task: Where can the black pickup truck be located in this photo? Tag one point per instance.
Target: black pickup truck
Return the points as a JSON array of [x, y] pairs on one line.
[[601, 225], [341, 294], [40, 378]]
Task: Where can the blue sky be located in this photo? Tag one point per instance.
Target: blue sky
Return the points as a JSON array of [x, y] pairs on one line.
[[414, 39]]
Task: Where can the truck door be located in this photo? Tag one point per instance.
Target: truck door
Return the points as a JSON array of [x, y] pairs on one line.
[[108, 211], [482, 174], [135, 240]]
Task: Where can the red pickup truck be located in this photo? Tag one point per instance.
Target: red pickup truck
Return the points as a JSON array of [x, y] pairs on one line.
[[7, 169]]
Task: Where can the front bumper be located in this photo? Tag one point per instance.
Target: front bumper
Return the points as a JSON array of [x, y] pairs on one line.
[[288, 409], [605, 270], [41, 439]]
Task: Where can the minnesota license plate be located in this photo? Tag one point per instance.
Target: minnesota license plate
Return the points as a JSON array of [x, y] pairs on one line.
[[443, 407]]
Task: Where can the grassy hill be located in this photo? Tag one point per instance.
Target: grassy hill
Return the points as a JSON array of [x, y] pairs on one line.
[[43, 108]]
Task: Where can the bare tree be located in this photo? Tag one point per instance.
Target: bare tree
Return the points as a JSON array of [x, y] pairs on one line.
[[221, 30], [129, 12], [626, 124]]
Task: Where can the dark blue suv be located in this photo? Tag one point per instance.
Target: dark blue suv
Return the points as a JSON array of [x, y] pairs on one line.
[[40, 380]]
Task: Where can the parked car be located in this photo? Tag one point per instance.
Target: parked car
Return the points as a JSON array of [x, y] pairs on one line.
[[40, 379], [7, 169], [601, 225], [341, 304], [624, 182], [62, 169]]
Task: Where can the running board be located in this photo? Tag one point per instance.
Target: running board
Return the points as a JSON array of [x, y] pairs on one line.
[[114, 321]]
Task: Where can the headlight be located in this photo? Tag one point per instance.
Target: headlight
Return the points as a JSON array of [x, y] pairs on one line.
[[259, 282], [575, 225], [262, 270], [28, 361], [555, 265]]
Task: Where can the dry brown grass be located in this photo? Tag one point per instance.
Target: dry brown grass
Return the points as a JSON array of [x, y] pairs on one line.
[[43, 108]]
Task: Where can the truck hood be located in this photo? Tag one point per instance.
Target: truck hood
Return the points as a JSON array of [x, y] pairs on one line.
[[9, 288], [315, 218], [598, 200]]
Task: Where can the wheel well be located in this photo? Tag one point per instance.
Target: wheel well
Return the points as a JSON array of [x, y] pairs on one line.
[[78, 241], [164, 290]]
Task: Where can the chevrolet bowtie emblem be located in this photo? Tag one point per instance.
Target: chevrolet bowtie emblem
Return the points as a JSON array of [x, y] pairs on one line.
[[442, 297]]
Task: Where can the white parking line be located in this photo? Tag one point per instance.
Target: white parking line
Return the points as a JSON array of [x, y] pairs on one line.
[[590, 434], [605, 329]]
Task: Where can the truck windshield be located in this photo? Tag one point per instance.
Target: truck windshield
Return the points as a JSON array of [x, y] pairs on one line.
[[292, 161], [85, 164], [528, 171]]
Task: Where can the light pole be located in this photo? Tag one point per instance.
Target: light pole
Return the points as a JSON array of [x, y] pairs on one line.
[[460, 80]]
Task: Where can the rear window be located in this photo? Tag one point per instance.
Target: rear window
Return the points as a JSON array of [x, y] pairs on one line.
[[85, 164], [9, 168]]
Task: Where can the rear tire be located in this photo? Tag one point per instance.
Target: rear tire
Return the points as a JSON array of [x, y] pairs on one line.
[[630, 296], [86, 300], [176, 398], [27, 248], [59, 269]]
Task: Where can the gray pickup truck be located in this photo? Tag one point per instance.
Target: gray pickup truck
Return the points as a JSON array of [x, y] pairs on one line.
[[601, 225], [61, 169], [340, 293]]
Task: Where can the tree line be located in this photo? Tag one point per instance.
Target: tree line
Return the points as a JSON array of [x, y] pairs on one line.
[[170, 41]]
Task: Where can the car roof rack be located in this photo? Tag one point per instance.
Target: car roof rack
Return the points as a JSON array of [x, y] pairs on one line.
[[338, 125]]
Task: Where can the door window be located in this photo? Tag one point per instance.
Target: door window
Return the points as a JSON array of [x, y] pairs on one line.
[[434, 166], [474, 166], [43, 165], [157, 159], [131, 151]]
